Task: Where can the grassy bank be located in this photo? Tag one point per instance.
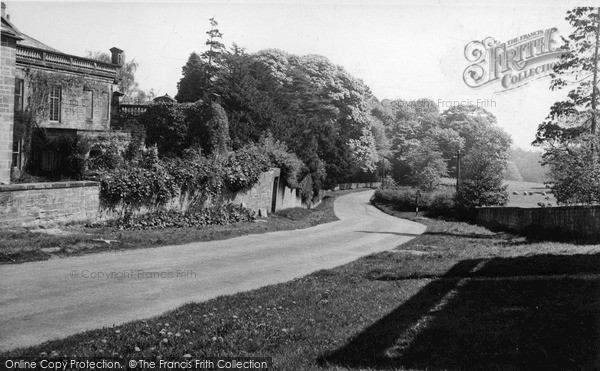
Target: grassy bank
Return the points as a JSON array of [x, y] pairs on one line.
[[20, 245], [457, 297]]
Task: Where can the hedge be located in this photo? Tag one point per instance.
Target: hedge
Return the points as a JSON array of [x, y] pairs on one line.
[[405, 199]]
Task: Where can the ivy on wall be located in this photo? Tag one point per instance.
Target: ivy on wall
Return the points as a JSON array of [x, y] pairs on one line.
[[39, 84], [151, 182]]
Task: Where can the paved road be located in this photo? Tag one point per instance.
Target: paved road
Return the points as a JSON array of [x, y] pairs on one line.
[[41, 301]]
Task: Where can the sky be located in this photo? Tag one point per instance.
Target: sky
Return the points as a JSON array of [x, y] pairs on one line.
[[401, 49]]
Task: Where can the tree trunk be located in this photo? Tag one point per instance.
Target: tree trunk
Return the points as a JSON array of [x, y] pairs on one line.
[[595, 82]]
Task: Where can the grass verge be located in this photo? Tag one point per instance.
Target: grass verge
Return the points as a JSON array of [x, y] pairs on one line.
[[457, 297], [21, 245]]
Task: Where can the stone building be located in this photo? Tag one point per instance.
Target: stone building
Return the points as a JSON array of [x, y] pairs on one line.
[[48, 94]]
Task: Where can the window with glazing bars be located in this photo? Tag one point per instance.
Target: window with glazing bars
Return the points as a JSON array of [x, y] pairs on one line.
[[18, 94], [55, 101]]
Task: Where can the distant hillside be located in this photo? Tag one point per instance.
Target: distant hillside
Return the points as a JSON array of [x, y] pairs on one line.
[[528, 165]]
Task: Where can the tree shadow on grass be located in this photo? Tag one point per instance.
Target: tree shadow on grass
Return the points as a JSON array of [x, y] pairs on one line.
[[529, 313], [482, 236]]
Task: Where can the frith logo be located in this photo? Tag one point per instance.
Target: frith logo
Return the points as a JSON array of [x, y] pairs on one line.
[[512, 63]]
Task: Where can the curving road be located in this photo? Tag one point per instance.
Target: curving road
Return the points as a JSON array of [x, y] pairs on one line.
[[51, 299]]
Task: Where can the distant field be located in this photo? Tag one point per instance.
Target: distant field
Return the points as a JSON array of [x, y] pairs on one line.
[[520, 199]]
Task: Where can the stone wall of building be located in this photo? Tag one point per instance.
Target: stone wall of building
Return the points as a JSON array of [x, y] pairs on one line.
[[7, 91], [78, 94], [32, 204]]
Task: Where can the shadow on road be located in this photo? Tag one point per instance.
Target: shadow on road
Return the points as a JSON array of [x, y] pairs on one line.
[[522, 313]]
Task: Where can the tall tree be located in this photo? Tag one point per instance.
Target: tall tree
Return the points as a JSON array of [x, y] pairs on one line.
[[426, 164], [481, 182], [200, 71], [577, 68], [190, 88], [213, 55], [569, 133], [474, 125]]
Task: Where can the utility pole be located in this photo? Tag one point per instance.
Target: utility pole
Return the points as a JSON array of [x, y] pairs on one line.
[[382, 173], [457, 169]]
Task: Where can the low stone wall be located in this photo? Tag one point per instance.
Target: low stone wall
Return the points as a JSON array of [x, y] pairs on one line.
[[563, 220], [61, 202], [43, 203]]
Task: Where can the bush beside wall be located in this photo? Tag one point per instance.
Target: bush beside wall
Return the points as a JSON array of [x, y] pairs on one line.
[[408, 199]]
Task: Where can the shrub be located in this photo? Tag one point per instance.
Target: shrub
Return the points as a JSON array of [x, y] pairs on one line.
[[151, 181], [441, 203], [481, 182], [402, 199], [473, 193], [174, 127], [216, 215], [166, 127], [138, 186], [306, 189], [208, 127], [102, 151], [197, 176], [243, 168], [405, 199], [291, 166]]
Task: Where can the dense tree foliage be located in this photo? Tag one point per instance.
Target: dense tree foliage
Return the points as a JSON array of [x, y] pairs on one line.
[[316, 108], [331, 121], [200, 71], [414, 124], [191, 86], [569, 134], [173, 128], [575, 171], [427, 167], [577, 68], [481, 181]]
